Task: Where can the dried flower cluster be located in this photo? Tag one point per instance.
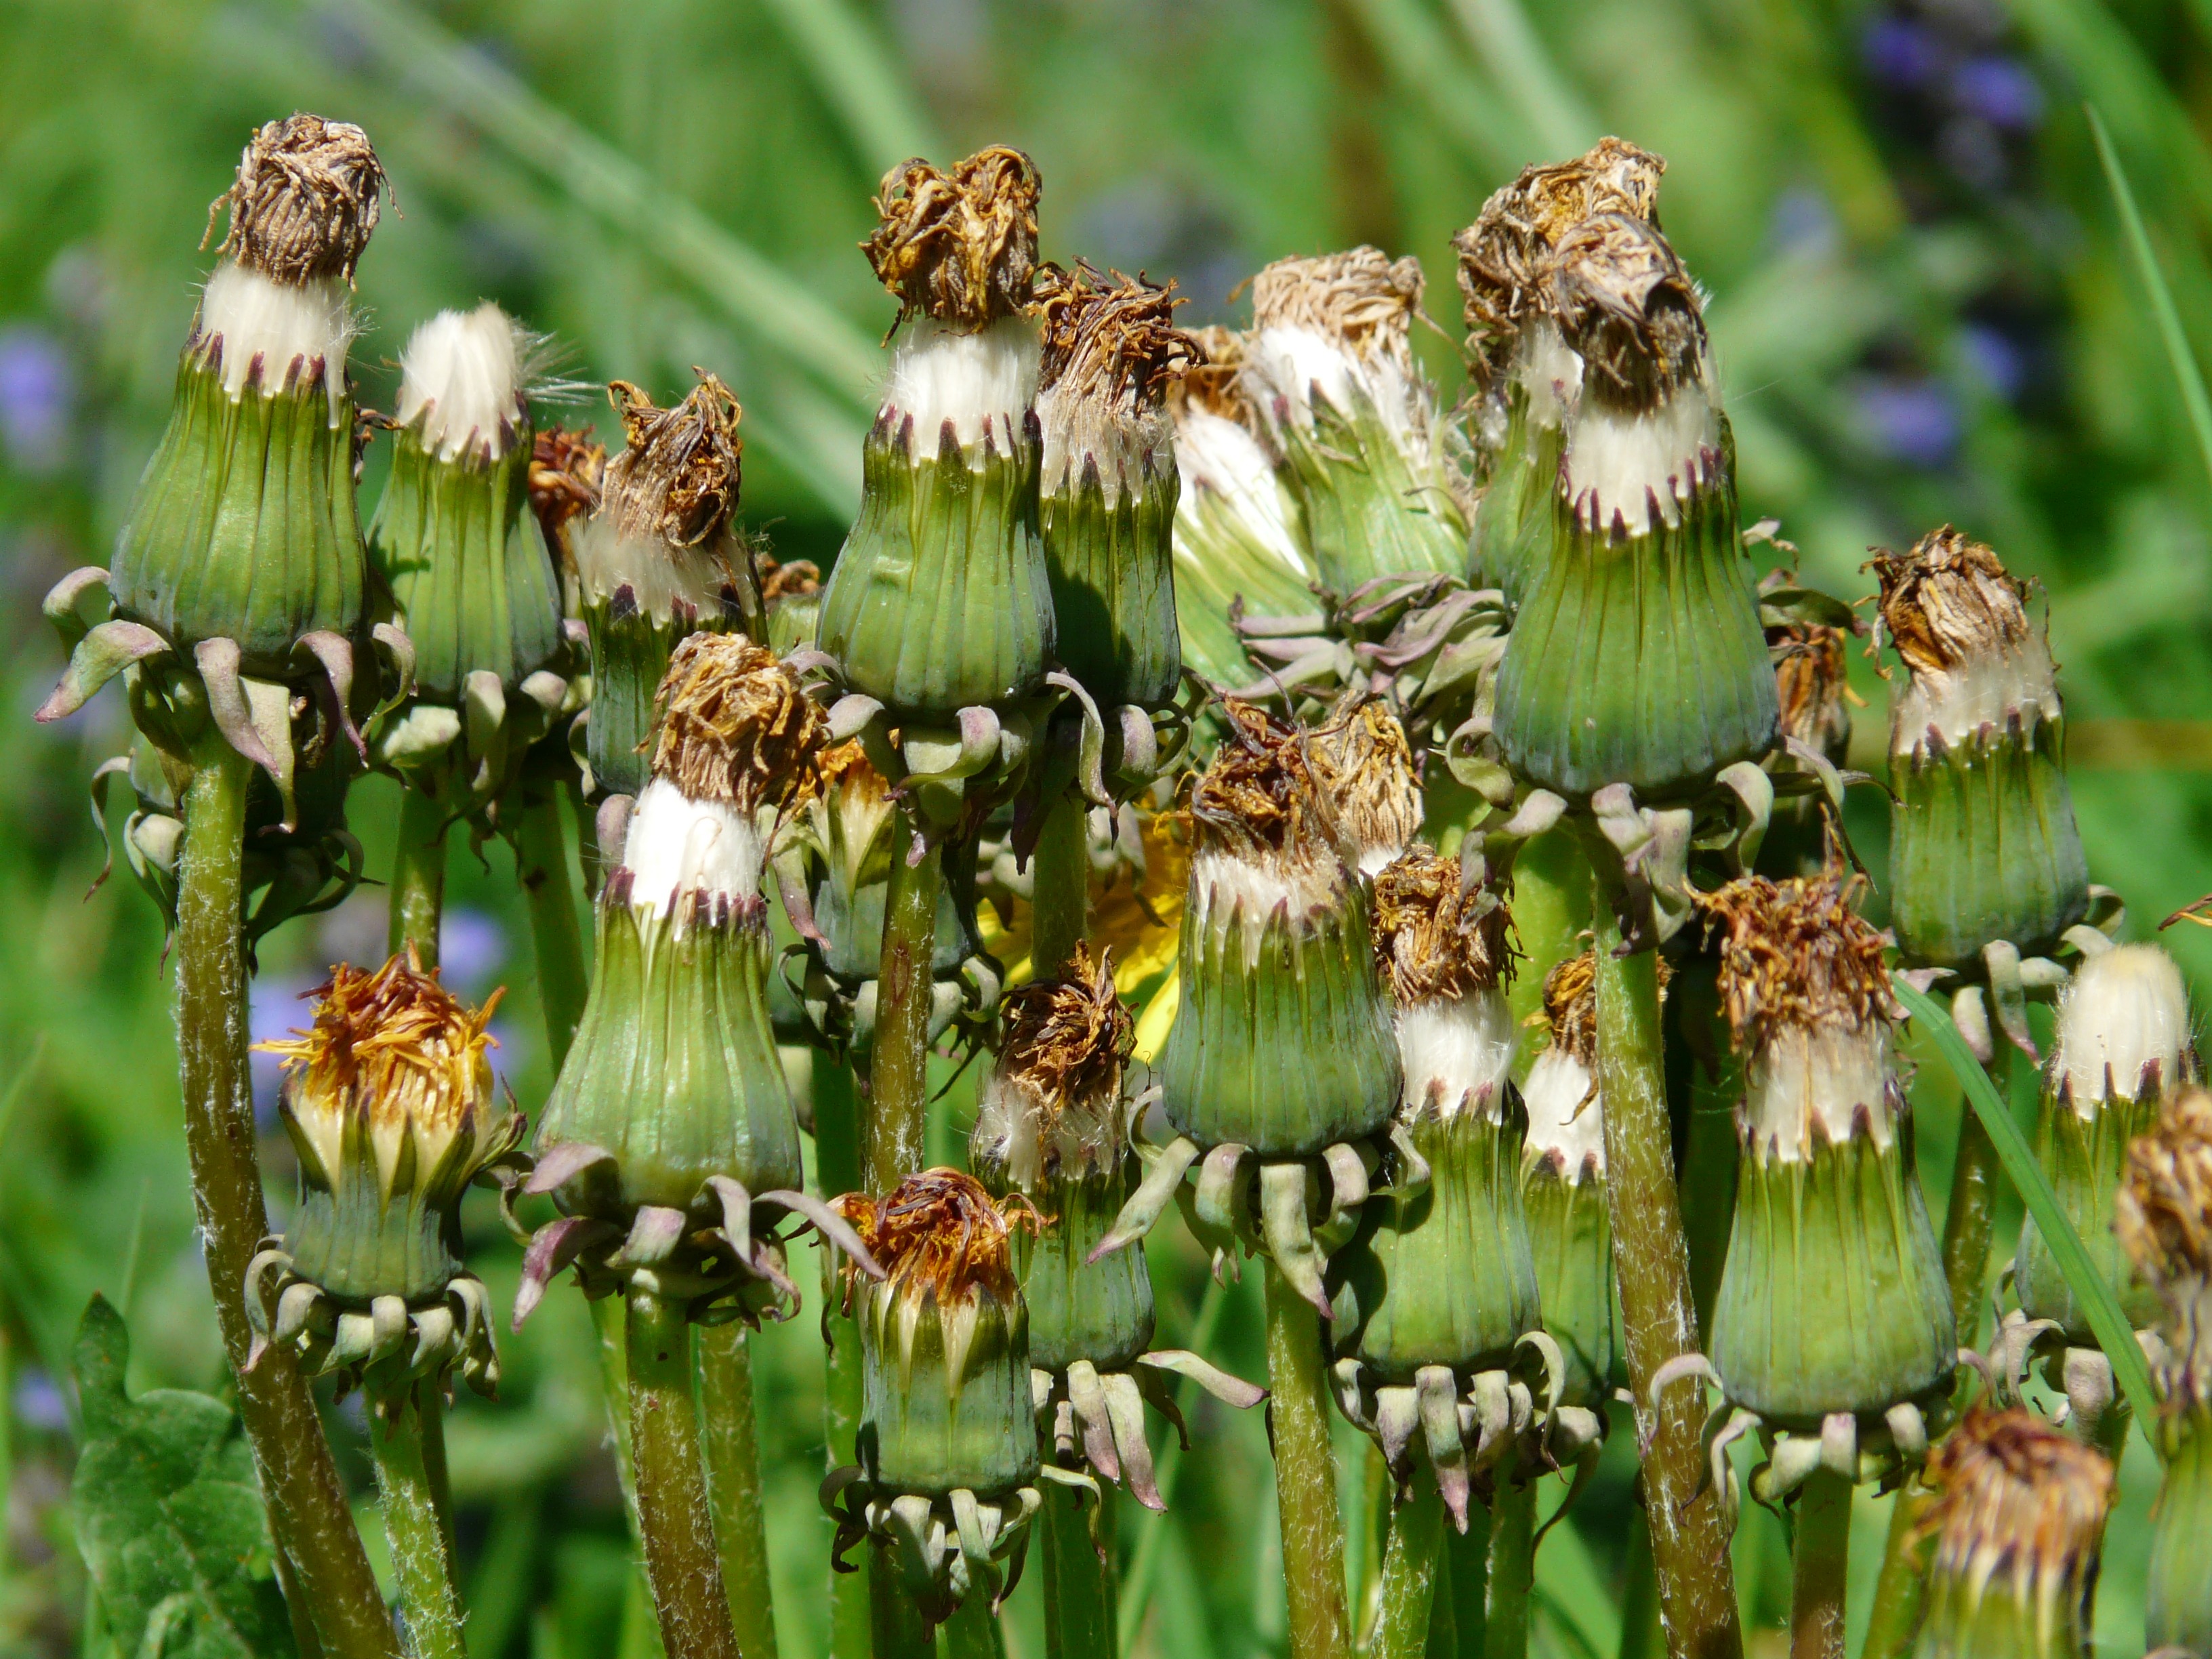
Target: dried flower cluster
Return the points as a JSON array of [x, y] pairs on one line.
[[1627, 307], [960, 246], [938, 1231], [1067, 1040], [1798, 954], [308, 196], [735, 725], [566, 468], [1434, 938], [2018, 1500], [678, 474], [1361, 302], [1258, 794], [1108, 337], [1950, 602], [1363, 772], [1571, 1007], [2164, 1215]]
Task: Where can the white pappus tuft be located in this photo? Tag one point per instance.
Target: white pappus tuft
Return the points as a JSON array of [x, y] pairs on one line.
[[1566, 1117], [462, 376], [983, 382], [2126, 1012], [279, 326], [677, 846], [1458, 1052]]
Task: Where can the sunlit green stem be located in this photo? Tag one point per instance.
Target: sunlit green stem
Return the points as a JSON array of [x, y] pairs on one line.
[[1305, 1475], [1060, 884], [1971, 1213], [675, 1516], [418, 875], [895, 1626], [1409, 1577], [422, 1549], [541, 864], [1465, 1575], [733, 1468], [1512, 1570], [308, 1511], [838, 1171], [895, 1117], [1900, 1593], [1080, 1593], [1819, 1563], [973, 1632]]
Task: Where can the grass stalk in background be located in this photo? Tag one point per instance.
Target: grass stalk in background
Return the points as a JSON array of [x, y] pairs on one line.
[[422, 1559], [733, 1470], [308, 1512], [1409, 1577], [1305, 1474], [675, 1515], [419, 876], [1819, 1566], [541, 867]]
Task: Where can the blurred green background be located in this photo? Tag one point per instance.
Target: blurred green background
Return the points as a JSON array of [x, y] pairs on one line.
[[1924, 313]]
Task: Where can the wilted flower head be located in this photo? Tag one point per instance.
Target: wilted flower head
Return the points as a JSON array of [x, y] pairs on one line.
[[938, 1233], [1811, 679], [1257, 800], [1111, 350], [565, 470], [2164, 1217], [1362, 775], [735, 725], [958, 246], [1053, 1107], [1627, 308], [1334, 324], [1210, 382], [1434, 937], [677, 477], [1960, 622], [307, 196], [1567, 1121]]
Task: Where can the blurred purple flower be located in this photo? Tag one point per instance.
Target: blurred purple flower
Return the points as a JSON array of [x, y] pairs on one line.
[[1997, 358], [1911, 420], [2001, 90], [273, 1009], [38, 389], [472, 949], [512, 1055], [1900, 53], [40, 1403], [1803, 222]]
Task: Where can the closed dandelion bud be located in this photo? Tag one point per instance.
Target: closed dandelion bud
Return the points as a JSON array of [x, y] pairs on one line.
[[388, 1103], [2018, 1517], [1528, 377], [1283, 1040], [1833, 1298], [1363, 778], [659, 560], [1329, 368], [1563, 1188], [1052, 1123], [1441, 1274], [1636, 656], [944, 1339], [244, 527], [2123, 1044], [466, 571], [941, 599], [673, 1079], [1106, 497], [1982, 843], [2164, 1219]]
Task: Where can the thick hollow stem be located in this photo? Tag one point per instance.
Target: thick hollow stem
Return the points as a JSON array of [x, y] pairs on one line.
[[673, 1511], [308, 1511], [1305, 1475], [1972, 1210], [422, 1551], [1900, 1593], [1079, 1592], [895, 1123], [1651, 1262], [1818, 1567], [1466, 1571], [541, 864], [1512, 1570], [838, 1171], [1059, 885], [973, 1632], [733, 1467], [1409, 1577], [418, 875], [895, 1626]]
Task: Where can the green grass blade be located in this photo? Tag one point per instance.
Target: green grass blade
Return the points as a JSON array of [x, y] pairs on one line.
[[2170, 333], [1503, 38], [884, 121], [1421, 57], [2114, 1334]]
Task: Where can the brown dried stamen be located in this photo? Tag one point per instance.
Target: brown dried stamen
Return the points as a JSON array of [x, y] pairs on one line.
[[1069, 1039], [2015, 1498], [734, 724], [1108, 337], [939, 1231], [1624, 304], [1797, 953], [1211, 382], [1950, 601], [307, 195], [1571, 1007], [678, 475], [1362, 775], [1433, 937], [1258, 794], [565, 470], [2164, 1215], [791, 579], [1360, 300], [958, 246]]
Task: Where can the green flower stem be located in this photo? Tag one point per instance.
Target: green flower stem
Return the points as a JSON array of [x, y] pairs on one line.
[[638, 1636], [1409, 1577], [973, 1632], [1973, 1206], [1818, 1567], [1652, 1261], [1305, 1475], [733, 1470], [1060, 881], [1080, 1601], [541, 864], [1512, 1570], [431, 1408], [308, 1511], [1137, 1584], [1466, 1575], [895, 1626], [422, 1550], [2178, 1599], [836, 1172], [1900, 1593], [418, 875], [894, 1127], [1709, 1162], [1551, 908], [674, 1515], [587, 835]]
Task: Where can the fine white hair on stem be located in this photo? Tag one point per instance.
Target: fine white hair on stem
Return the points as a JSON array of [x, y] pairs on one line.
[[677, 846], [983, 382], [279, 326], [462, 376]]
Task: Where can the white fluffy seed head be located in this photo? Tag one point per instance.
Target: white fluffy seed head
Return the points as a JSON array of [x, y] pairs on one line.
[[462, 376], [2126, 1012], [1565, 1116], [1548, 371], [1834, 1076], [1287, 367], [1255, 885], [983, 382], [1980, 691], [1458, 1053], [677, 846], [1636, 465], [278, 324]]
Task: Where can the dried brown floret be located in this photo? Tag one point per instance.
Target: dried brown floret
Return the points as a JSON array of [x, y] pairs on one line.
[[792, 578], [2018, 1501], [735, 725], [1258, 794], [1108, 337], [1571, 1007], [1811, 678], [1067, 1039], [939, 1231], [1211, 382], [565, 470], [1433, 937], [2164, 1215], [1363, 778], [1797, 953], [1624, 304], [1360, 300], [1505, 255], [678, 475], [307, 195], [959, 247], [1949, 602]]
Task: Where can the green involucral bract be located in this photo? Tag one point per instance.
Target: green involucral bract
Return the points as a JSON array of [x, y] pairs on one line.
[[630, 649], [1833, 1297], [245, 526], [1512, 533], [947, 1400], [1113, 582], [466, 567], [941, 598], [2177, 1598], [1079, 1309], [355, 1241], [1570, 1242], [1983, 845], [2083, 1159], [1368, 512]]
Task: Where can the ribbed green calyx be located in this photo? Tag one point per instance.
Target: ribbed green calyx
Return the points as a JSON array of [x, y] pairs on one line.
[[1283, 1042], [1052, 1123], [1527, 376], [2018, 1516], [1562, 1189], [1982, 843], [944, 1340], [658, 562], [1832, 1298], [467, 571], [1636, 656], [2178, 1588], [942, 599], [1330, 370]]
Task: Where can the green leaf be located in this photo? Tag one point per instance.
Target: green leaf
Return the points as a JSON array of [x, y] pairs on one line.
[[169, 1514], [2113, 1334]]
